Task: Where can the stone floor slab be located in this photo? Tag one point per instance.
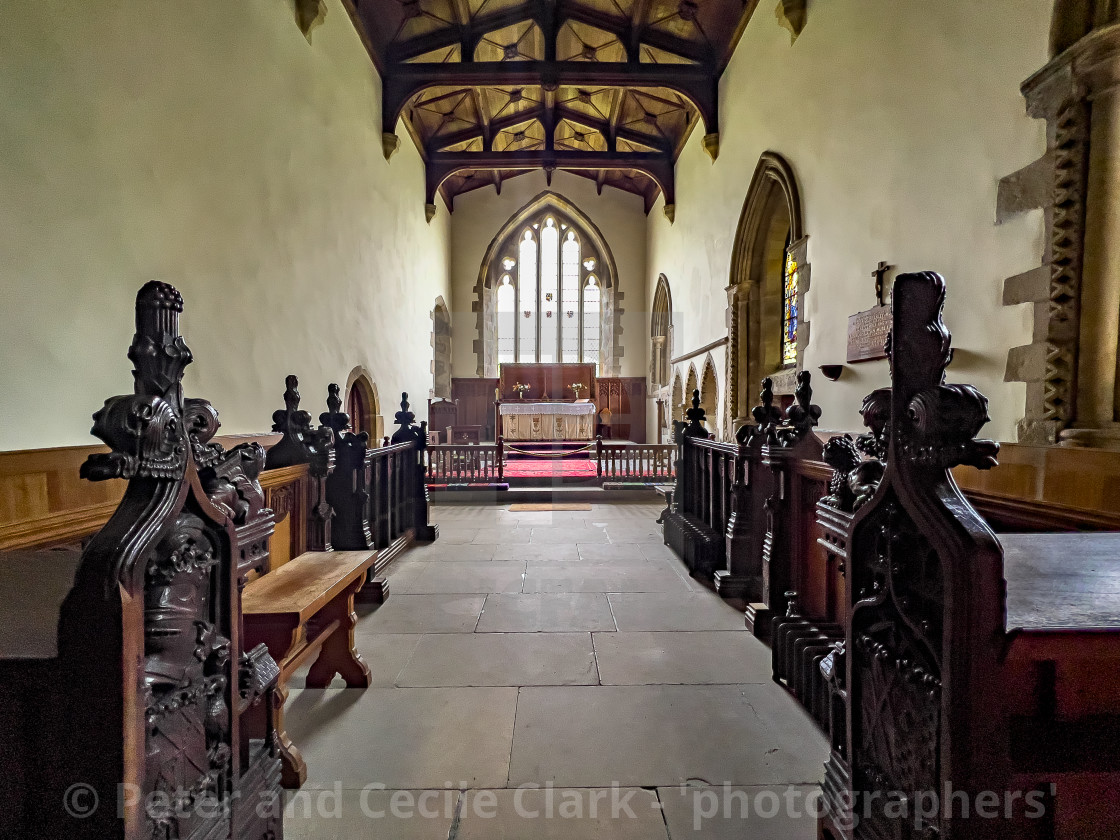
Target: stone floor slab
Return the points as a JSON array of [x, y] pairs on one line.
[[596, 736], [495, 659], [620, 576], [385, 654], [551, 613], [635, 611], [739, 813], [619, 814], [568, 535], [413, 738], [360, 815], [468, 576], [404, 613], [681, 658]]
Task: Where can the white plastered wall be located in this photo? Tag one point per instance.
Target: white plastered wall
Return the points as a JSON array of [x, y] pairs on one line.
[[208, 145], [479, 216], [899, 119]]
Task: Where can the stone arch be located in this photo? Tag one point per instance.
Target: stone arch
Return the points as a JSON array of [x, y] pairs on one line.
[[661, 334], [676, 399], [607, 274], [709, 392], [691, 383], [441, 350], [770, 228], [363, 404]]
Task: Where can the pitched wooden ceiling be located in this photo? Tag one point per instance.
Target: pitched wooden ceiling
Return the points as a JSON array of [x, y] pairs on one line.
[[607, 89]]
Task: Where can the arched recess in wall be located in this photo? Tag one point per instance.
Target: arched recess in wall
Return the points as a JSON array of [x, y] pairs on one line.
[[441, 350], [599, 302], [661, 334], [363, 405], [709, 393], [769, 280], [677, 398], [691, 384]]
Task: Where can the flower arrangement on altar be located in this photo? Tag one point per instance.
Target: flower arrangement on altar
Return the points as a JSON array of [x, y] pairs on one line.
[[576, 388], [521, 388]]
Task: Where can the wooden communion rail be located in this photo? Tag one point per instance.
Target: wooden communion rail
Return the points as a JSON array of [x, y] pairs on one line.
[[487, 463]]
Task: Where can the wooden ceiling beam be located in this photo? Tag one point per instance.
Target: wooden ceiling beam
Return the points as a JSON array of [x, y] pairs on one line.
[[469, 32], [610, 128], [695, 83], [497, 125], [632, 35], [659, 167]]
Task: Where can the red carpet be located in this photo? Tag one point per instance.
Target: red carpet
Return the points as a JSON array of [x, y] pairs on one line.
[[550, 468]]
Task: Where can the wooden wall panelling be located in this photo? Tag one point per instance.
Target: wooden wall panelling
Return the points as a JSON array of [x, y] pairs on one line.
[[476, 403], [626, 399]]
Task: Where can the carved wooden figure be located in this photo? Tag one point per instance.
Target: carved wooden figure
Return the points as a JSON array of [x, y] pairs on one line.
[[151, 688]]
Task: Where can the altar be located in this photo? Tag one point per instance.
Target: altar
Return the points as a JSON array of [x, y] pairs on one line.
[[523, 421]]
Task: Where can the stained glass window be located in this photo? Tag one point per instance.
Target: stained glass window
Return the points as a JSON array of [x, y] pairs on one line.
[[547, 297], [789, 311]]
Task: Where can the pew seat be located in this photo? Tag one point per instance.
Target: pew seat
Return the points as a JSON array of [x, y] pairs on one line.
[[305, 609]]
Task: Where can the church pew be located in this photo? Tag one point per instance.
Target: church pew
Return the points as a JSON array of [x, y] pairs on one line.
[[131, 706], [303, 610], [973, 672], [695, 524]]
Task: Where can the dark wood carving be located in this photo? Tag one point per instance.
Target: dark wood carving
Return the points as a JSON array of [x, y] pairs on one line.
[[348, 485], [151, 686], [302, 443], [418, 509], [921, 649]]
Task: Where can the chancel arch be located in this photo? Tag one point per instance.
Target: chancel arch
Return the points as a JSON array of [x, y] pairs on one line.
[[363, 405], [661, 335], [769, 279], [547, 291], [441, 350]]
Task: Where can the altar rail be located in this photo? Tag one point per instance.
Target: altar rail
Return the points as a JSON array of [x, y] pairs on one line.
[[487, 462]]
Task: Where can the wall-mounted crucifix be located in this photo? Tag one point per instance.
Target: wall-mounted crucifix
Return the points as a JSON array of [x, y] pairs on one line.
[[878, 274]]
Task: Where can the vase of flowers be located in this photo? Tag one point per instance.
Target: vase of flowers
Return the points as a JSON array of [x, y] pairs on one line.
[[576, 388], [521, 388]]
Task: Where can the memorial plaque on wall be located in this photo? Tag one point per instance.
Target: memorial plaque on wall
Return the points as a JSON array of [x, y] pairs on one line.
[[867, 334]]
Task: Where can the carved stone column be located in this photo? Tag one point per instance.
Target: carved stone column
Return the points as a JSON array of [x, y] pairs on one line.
[[1071, 368]]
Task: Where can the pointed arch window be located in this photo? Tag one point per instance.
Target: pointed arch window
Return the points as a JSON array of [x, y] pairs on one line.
[[549, 294], [789, 310]]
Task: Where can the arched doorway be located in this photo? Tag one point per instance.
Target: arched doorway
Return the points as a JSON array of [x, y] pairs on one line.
[[769, 279], [441, 350], [363, 406]]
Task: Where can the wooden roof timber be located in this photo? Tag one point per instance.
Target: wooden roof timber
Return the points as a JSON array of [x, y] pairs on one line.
[[689, 84]]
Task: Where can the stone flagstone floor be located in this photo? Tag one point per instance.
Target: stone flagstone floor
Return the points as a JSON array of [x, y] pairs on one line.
[[554, 675]]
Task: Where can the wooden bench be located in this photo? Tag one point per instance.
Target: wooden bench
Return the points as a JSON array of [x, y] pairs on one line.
[[302, 610]]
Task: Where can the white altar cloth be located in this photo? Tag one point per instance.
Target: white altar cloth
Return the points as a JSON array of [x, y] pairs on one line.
[[548, 420]]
